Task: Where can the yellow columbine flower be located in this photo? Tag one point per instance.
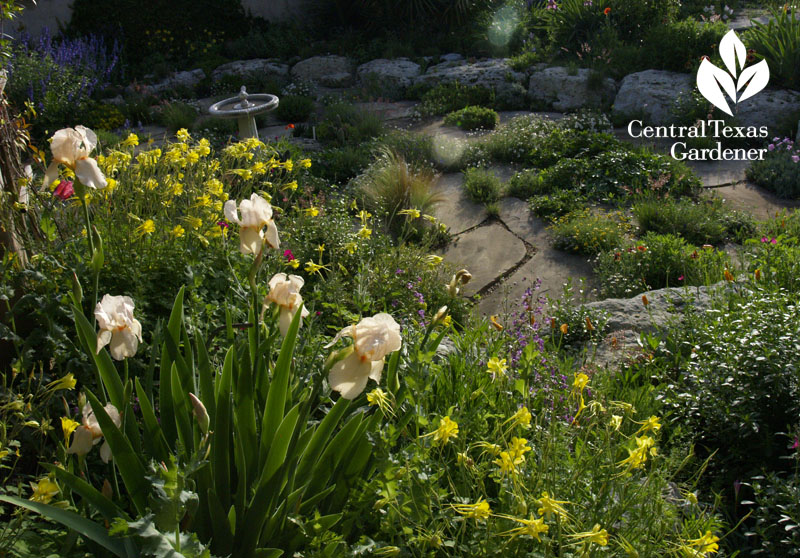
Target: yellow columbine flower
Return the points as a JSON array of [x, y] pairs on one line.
[[291, 186], [508, 463], [364, 232], [580, 382], [131, 141], [548, 506], [305, 163], [177, 231], [351, 247], [645, 445], [66, 382], [294, 264], [532, 527], [146, 228], [596, 536], [246, 174], [378, 397], [192, 157], [258, 168], [616, 421], [311, 211], [433, 260], [312, 267], [478, 510], [68, 426], [652, 424], [183, 134], [288, 165], [364, 215], [446, 430], [412, 213], [429, 218], [518, 448], [706, 543], [193, 222], [497, 367], [44, 491], [151, 184], [521, 418]]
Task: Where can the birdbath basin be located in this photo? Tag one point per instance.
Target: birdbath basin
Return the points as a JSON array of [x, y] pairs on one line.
[[244, 108]]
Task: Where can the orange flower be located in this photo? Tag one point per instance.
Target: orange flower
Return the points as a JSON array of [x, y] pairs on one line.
[[641, 248], [758, 274], [589, 325], [289, 127], [607, 11], [644, 300], [564, 328], [728, 275]]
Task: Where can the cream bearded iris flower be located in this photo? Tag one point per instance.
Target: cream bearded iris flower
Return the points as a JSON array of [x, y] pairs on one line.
[[373, 339], [118, 327], [71, 147], [256, 213], [284, 291], [88, 434]]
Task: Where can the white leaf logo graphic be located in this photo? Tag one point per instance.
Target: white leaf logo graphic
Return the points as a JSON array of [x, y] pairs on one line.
[[712, 81]]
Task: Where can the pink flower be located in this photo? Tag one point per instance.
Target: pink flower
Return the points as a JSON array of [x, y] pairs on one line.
[[795, 158], [680, 278], [222, 224], [288, 255], [64, 190], [796, 443], [771, 147]]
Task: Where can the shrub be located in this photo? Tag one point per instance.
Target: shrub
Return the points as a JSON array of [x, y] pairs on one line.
[[584, 323], [588, 232], [525, 184], [566, 175], [563, 143], [778, 42], [105, 117], [776, 511], [657, 261], [481, 185], [294, 108], [739, 388], [697, 223], [473, 118], [391, 185], [59, 77], [639, 171], [779, 171], [346, 124], [177, 115], [679, 46], [513, 140], [416, 149], [449, 97], [340, 164], [556, 204]]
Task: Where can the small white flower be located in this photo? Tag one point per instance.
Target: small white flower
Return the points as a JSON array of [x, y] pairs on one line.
[[71, 147], [284, 290], [88, 434], [114, 315], [256, 213], [373, 339]]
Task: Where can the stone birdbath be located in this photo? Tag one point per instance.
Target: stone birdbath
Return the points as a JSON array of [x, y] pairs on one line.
[[244, 107]]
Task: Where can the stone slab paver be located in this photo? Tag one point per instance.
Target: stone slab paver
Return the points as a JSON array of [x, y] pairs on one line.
[[550, 266], [751, 199], [389, 111], [456, 210], [517, 216], [719, 173], [487, 252]]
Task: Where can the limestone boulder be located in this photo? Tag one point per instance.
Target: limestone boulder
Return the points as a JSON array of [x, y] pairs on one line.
[[187, 79], [257, 66], [493, 73], [317, 69], [564, 90], [399, 72], [769, 107], [651, 94]]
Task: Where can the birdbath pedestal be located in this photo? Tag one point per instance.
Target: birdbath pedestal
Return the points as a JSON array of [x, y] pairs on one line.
[[244, 109]]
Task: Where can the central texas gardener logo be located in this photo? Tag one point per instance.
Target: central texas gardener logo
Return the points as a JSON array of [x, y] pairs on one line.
[[712, 80]]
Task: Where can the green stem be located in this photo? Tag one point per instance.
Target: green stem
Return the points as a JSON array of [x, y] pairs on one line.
[[88, 226]]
